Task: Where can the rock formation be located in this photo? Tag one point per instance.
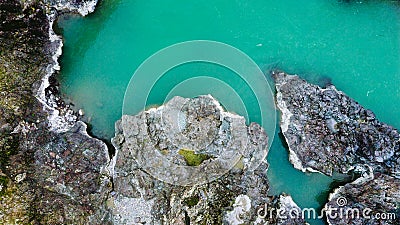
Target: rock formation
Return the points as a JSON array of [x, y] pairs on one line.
[[46, 176], [327, 131], [373, 200], [155, 182]]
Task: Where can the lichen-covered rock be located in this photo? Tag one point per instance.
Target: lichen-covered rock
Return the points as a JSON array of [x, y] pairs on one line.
[[217, 191], [328, 131], [45, 177], [161, 140], [23, 34], [368, 200], [57, 179], [75, 167]]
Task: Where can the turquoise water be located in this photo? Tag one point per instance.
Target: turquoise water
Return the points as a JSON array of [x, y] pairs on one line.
[[355, 45]]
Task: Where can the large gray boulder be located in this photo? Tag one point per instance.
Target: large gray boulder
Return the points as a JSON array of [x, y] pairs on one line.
[[189, 162], [328, 131]]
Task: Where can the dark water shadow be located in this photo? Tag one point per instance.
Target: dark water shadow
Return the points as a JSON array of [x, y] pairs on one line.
[[110, 147]]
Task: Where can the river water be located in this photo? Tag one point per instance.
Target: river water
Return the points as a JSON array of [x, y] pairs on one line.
[[353, 45]]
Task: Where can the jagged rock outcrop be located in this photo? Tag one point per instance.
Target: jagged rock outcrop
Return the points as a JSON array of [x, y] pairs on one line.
[[368, 200], [189, 162], [328, 131]]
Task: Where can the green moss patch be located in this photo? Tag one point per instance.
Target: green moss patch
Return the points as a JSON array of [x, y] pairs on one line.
[[191, 158], [191, 201], [3, 185]]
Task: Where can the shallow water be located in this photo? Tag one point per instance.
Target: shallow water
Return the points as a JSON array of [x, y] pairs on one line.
[[356, 46]]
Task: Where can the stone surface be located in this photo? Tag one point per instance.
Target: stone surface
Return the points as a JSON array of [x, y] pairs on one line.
[[157, 137], [328, 131], [46, 177], [82, 7], [368, 200], [231, 197]]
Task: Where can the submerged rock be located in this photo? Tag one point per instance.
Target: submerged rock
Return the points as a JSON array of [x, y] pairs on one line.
[[328, 131], [153, 182]]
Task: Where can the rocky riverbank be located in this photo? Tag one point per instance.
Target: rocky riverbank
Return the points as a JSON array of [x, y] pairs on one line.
[[48, 175], [327, 131]]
